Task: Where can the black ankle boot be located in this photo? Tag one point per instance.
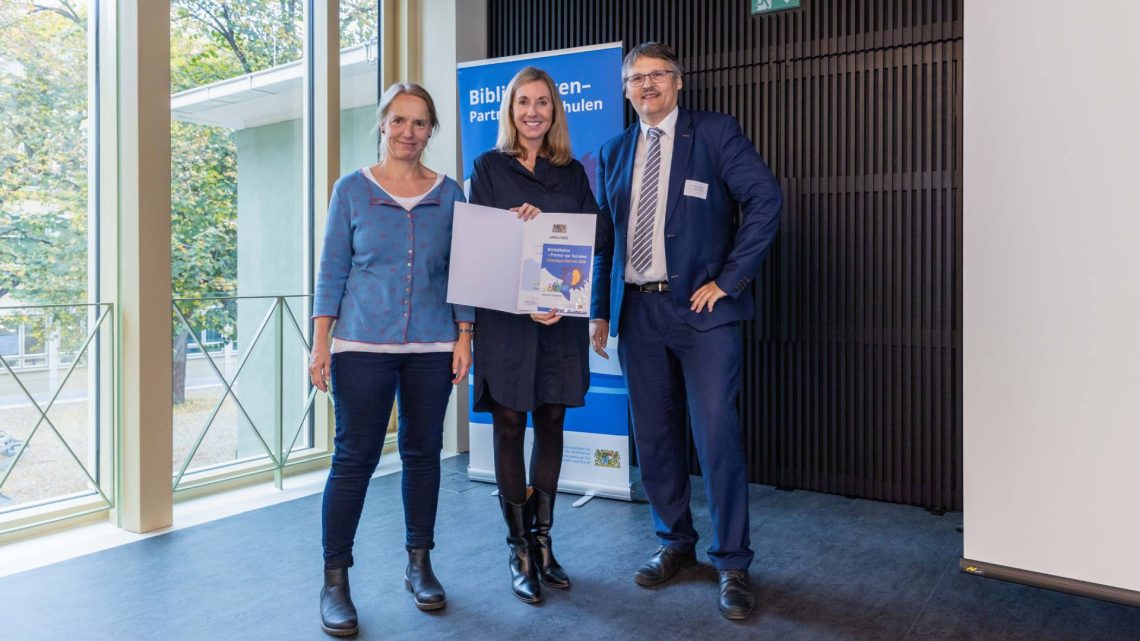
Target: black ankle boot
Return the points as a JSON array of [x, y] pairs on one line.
[[524, 573], [549, 570], [338, 615], [421, 581]]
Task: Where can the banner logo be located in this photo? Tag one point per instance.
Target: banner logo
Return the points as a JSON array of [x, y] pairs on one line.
[[607, 458]]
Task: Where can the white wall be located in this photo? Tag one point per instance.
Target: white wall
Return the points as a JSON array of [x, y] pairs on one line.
[[448, 32], [1052, 288], [452, 31]]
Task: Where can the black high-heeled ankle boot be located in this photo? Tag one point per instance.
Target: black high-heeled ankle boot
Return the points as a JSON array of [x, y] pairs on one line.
[[338, 615], [549, 570], [524, 573], [421, 582]]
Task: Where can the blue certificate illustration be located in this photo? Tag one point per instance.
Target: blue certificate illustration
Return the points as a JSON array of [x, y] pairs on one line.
[[565, 278]]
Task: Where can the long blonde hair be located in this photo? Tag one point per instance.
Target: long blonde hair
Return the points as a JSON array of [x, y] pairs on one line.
[[556, 142]]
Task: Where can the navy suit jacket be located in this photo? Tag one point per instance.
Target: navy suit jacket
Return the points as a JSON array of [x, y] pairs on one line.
[[702, 241]]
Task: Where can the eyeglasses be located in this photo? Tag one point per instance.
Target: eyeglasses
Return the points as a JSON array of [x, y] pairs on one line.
[[638, 79]]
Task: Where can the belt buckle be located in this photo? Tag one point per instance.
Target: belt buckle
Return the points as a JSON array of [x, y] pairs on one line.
[[657, 287]]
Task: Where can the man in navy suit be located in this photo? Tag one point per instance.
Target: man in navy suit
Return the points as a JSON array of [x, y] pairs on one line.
[[675, 284]]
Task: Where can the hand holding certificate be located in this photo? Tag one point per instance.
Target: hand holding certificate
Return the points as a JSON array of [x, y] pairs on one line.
[[503, 263]]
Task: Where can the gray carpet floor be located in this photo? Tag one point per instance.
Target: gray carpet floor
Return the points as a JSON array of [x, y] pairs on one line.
[[827, 568]]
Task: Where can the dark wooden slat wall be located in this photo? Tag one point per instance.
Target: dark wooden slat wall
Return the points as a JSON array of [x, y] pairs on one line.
[[852, 380]]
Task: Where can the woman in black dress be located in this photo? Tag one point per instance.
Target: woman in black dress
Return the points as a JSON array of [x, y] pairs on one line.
[[537, 363]]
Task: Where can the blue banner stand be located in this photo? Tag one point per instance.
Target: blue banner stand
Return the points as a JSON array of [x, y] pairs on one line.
[[596, 457]]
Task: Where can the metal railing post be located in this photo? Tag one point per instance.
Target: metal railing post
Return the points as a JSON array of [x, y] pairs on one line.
[[279, 391]]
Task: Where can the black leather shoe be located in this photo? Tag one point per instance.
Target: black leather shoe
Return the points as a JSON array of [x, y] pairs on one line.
[[736, 598], [421, 581], [661, 567], [338, 615], [549, 570], [524, 571]]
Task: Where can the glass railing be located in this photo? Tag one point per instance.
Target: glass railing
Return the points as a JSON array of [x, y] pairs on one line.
[[241, 411], [57, 392]]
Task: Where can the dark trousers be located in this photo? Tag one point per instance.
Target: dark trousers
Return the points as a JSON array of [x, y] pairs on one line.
[[364, 386], [667, 366]]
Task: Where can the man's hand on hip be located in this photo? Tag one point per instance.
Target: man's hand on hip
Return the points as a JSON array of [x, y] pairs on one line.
[[708, 294]]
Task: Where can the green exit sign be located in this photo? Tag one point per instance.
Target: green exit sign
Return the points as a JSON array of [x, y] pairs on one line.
[[767, 6]]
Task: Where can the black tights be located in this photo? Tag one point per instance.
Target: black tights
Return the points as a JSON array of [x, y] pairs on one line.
[[545, 456]]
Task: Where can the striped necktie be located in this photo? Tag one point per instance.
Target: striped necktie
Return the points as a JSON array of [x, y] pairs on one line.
[[641, 256]]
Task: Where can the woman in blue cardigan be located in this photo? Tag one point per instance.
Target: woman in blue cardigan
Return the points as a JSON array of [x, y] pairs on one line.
[[382, 289]]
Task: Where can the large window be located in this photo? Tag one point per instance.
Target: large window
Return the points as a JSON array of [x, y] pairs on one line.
[[44, 152], [241, 225], [50, 323], [359, 82], [245, 206], [243, 200], [238, 231]]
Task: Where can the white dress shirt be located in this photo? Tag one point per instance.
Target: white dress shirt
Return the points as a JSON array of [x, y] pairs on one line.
[[657, 269]]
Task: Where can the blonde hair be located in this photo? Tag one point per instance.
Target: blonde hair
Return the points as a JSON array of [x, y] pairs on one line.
[[556, 142], [399, 89]]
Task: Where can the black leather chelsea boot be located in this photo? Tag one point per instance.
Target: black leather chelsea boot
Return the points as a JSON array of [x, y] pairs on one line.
[[338, 615], [421, 582]]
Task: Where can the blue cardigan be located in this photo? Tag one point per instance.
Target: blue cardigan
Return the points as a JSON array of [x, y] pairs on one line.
[[383, 272]]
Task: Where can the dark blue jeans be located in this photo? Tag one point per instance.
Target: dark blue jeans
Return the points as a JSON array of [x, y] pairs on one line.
[[363, 387]]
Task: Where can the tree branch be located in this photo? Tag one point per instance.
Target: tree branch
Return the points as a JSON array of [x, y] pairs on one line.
[[222, 25], [65, 10], [16, 235]]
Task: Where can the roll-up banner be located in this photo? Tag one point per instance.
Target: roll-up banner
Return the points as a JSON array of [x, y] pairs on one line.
[[595, 458]]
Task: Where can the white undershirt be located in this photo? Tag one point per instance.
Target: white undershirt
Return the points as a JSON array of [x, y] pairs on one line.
[[657, 270], [340, 345]]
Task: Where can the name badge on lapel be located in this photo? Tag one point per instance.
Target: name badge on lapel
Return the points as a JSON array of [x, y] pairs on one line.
[[696, 189]]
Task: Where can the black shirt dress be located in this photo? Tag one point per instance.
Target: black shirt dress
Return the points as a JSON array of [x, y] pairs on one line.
[[520, 363]]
